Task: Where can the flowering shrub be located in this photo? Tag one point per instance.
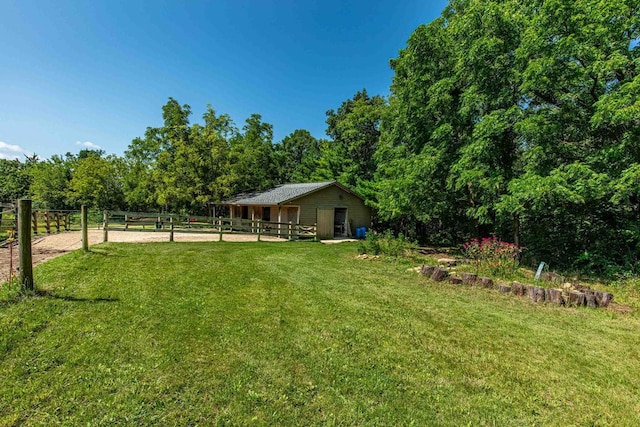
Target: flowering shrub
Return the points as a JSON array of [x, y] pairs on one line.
[[492, 254]]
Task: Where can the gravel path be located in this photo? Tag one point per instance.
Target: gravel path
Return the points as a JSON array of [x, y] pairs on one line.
[[51, 246]]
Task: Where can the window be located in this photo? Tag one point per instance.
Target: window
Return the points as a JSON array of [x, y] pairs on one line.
[[266, 213]]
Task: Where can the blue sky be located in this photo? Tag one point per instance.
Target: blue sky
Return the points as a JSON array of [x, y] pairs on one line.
[[77, 74]]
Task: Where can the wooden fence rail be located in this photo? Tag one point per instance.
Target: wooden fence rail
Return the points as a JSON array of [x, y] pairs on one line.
[[41, 221], [8, 220], [173, 223]]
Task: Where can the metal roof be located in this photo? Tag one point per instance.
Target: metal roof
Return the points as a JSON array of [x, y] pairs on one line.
[[281, 194]]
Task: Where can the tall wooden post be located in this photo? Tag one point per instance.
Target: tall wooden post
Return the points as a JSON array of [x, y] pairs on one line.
[[85, 232], [259, 229], [171, 232], [24, 240], [105, 226]]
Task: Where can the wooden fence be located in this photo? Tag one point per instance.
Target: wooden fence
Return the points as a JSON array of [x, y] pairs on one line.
[[173, 223], [7, 217], [41, 221]]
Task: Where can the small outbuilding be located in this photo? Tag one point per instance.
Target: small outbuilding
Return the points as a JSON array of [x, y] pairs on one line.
[[334, 209]]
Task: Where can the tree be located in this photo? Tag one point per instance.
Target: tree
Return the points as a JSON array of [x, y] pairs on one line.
[[354, 130], [252, 157], [97, 181], [50, 183], [519, 118], [15, 179], [180, 166], [297, 156]]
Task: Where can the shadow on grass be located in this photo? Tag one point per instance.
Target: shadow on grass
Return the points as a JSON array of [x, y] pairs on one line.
[[48, 294]]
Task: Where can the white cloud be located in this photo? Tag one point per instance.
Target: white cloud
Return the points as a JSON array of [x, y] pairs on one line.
[[10, 151], [5, 156], [8, 147], [89, 144]]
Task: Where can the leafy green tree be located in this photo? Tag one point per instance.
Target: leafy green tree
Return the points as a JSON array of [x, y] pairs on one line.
[[180, 166], [15, 179], [354, 131], [97, 181], [50, 183], [519, 118], [252, 162], [297, 156]]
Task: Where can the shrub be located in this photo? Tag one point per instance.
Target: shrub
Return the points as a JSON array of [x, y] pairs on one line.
[[386, 244], [493, 255]]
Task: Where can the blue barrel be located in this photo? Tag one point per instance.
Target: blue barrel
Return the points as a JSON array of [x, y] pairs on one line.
[[361, 232]]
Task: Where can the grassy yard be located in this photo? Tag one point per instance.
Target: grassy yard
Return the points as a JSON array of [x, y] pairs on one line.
[[300, 334]]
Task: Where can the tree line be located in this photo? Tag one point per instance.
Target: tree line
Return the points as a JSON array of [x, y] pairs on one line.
[[515, 118], [183, 166]]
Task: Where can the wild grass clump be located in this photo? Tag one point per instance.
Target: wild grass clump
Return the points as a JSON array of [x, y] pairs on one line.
[[388, 245]]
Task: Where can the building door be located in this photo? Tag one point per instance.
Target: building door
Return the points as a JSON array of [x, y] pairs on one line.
[[340, 222], [325, 223], [292, 215]]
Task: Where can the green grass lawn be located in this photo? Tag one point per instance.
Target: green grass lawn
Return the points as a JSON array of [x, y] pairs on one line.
[[300, 334]]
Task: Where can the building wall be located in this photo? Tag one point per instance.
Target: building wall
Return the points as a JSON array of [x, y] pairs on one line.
[[359, 215]]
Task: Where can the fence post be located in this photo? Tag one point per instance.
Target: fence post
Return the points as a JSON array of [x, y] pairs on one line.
[[220, 220], [105, 226], [259, 229], [34, 219], [47, 222], [171, 232], [24, 240], [290, 237], [85, 232]]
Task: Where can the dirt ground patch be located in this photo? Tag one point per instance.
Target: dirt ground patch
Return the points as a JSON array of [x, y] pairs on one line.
[[47, 247]]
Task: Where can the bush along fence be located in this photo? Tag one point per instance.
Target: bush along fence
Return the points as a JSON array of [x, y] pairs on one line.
[[174, 223], [570, 295]]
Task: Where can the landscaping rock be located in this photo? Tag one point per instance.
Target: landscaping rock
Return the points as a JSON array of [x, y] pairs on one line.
[[590, 299], [439, 274], [554, 296], [485, 282], [455, 280], [469, 278], [504, 288], [576, 299], [603, 298], [518, 289], [535, 293], [427, 270]]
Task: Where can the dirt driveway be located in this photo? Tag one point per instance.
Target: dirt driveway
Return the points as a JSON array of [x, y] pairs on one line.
[[51, 246]]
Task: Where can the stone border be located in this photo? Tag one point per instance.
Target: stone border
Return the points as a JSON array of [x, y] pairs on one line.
[[569, 296]]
